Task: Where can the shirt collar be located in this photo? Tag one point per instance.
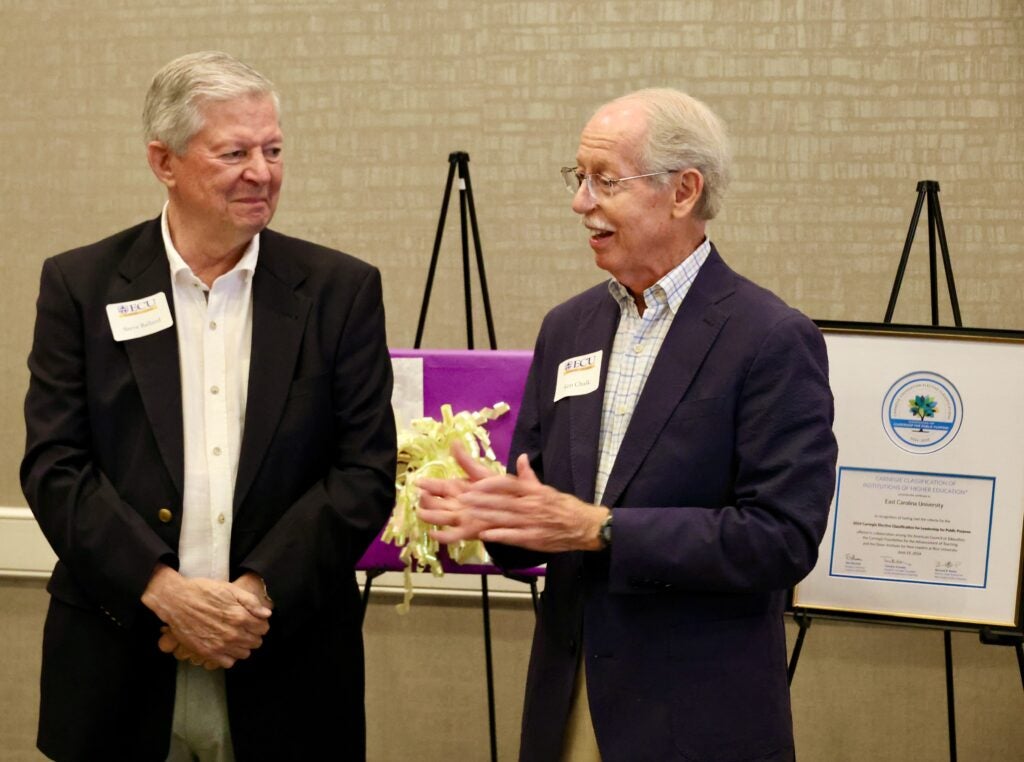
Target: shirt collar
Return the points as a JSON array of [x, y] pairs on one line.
[[671, 287], [247, 264]]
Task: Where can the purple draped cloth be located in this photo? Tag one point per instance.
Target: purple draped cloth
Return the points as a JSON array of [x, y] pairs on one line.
[[467, 380]]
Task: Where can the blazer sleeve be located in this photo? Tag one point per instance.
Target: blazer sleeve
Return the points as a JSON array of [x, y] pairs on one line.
[[107, 551], [783, 462], [314, 545]]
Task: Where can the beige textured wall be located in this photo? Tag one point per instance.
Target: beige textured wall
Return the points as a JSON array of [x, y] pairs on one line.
[[837, 110]]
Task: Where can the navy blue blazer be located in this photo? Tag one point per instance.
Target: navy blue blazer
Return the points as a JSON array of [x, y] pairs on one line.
[[104, 465], [720, 491]]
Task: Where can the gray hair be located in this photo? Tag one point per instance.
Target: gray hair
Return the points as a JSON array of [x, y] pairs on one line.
[[684, 133], [172, 112]]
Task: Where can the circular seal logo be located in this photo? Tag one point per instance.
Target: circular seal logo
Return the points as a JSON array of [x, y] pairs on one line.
[[922, 412]]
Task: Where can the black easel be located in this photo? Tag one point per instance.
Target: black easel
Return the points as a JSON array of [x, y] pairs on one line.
[[459, 160], [927, 190]]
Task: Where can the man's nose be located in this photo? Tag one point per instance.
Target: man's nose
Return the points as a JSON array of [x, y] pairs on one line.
[[257, 170], [583, 201]]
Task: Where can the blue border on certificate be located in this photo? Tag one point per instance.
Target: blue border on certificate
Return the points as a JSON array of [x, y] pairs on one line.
[[988, 537]]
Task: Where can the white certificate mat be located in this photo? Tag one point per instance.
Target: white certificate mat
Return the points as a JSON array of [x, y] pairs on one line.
[[928, 514], [407, 394]]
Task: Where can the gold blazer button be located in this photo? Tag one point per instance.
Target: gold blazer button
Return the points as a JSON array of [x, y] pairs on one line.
[[165, 515]]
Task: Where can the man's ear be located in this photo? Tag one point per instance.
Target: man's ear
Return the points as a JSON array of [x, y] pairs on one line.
[[688, 186], [159, 156]]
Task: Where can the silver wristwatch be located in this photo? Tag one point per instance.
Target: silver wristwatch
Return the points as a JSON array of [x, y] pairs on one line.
[[604, 534]]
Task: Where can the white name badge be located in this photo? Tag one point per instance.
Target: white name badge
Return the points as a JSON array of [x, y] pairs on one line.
[[578, 375], [133, 320]]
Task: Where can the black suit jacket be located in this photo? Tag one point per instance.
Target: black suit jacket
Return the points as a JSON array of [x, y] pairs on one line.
[[720, 491], [315, 484]]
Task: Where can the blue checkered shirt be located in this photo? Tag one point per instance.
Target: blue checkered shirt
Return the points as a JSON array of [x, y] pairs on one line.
[[638, 340]]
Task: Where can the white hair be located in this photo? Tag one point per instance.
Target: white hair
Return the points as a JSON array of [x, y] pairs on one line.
[[684, 133], [172, 112]]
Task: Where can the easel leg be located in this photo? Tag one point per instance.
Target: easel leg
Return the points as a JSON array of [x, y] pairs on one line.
[[804, 623], [950, 704], [467, 285], [489, 663], [452, 160], [902, 268], [481, 272], [947, 265], [933, 276], [1020, 661], [371, 575]]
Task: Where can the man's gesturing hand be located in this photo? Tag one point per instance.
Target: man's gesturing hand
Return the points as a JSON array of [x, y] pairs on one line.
[[511, 509]]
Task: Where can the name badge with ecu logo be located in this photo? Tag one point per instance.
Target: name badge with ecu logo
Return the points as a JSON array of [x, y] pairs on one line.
[[133, 320], [578, 375]]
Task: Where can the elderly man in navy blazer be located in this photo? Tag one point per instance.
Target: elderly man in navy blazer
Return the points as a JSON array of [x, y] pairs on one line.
[[676, 470], [210, 450]]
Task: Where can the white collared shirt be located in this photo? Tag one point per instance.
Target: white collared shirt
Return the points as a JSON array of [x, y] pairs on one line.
[[637, 341], [214, 328]]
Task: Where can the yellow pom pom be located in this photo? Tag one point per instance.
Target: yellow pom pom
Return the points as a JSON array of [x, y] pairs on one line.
[[425, 452]]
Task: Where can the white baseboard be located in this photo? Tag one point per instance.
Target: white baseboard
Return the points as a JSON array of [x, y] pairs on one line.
[[24, 551]]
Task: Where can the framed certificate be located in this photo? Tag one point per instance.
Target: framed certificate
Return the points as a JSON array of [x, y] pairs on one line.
[[928, 515]]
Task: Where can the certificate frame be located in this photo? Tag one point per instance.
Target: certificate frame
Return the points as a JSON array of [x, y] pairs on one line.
[[926, 525]]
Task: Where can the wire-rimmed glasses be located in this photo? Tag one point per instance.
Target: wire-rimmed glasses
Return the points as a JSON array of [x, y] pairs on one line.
[[598, 185]]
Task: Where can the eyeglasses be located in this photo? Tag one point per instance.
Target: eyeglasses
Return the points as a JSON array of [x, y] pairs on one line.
[[600, 186]]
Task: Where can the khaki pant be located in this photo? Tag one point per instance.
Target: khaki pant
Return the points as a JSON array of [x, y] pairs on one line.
[[580, 743], [200, 730]]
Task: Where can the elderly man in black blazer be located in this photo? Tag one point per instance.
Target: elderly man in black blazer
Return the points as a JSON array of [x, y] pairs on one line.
[[210, 450]]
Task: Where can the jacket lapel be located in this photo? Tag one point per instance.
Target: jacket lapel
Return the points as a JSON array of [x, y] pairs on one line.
[[278, 322], [690, 337], [154, 358], [596, 331]]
